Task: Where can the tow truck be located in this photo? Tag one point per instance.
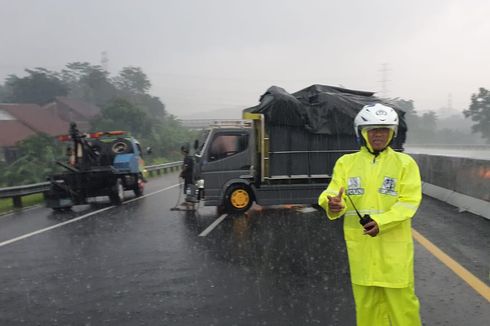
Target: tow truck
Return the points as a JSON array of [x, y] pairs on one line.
[[104, 163]]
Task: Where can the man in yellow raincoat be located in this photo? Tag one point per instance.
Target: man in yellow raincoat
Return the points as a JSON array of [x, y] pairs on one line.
[[385, 188]]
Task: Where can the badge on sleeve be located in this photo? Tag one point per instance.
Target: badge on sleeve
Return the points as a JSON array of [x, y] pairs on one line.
[[354, 186]]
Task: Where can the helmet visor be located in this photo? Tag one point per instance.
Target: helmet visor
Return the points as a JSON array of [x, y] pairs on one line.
[[371, 127]]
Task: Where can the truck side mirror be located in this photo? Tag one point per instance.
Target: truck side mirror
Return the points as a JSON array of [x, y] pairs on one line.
[[149, 150], [196, 144]]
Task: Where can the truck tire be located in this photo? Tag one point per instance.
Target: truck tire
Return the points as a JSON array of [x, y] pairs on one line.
[[117, 193], [139, 187], [238, 199], [121, 146]]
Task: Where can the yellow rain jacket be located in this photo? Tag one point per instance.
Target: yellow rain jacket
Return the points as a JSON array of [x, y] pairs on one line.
[[388, 188]]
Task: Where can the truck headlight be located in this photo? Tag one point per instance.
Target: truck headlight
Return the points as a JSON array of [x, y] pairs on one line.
[[200, 183]]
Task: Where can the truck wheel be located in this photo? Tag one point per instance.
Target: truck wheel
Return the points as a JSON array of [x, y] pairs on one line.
[[238, 199], [117, 193], [139, 188]]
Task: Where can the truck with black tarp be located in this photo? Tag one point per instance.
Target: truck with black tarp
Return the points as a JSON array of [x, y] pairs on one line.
[[284, 149], [98, 164]]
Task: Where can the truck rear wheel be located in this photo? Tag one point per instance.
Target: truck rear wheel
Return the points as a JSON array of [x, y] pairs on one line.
[[117, 193], [238, 199], [139, 188]]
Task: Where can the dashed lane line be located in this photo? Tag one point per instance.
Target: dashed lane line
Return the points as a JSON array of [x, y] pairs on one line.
[[463, 273], [213, 225], [28, 235], [150, 194]]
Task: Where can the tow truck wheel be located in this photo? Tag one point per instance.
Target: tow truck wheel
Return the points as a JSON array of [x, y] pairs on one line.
[[117, 193], [139, 188], [238, 199]]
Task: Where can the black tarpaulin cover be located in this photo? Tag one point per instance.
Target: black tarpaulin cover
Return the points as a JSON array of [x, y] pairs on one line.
[[310, 129], [320, 109]]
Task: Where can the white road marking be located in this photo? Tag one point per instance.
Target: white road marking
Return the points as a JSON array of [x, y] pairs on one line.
[[213, 225], [28, 235], [150, 194]]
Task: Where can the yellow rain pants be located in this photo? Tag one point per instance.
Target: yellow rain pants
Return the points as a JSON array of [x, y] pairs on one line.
[[380, 306]]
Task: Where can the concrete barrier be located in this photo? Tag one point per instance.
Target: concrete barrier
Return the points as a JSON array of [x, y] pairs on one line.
[[461, 182]]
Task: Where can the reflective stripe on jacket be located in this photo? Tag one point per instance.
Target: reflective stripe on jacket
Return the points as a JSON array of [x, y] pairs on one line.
[[388, 188]]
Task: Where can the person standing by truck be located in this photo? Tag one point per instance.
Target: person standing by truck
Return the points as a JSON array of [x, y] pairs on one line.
[[385, 187], [187, 167]]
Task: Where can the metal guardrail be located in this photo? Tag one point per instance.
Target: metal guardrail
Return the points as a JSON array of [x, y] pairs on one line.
[[159, 168], [17, 192]]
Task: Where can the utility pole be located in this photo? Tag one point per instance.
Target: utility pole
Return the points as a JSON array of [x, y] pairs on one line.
[[384, 80], [450, 102]]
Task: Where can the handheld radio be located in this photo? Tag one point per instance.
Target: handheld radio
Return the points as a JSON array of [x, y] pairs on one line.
[[362, 219]]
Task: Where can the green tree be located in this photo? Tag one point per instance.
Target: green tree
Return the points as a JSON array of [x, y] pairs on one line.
[[36, 161], [479, 111], [132, 80], [3, 93], [411, 116], [133, 85], [428, 120], [426, 129], [415, 129], [40, 86], [120, 114], [169, 135], [150, 104], [93, 84], [88, 82]]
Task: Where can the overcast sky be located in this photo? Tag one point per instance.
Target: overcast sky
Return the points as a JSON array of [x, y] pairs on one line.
[[203, 55]]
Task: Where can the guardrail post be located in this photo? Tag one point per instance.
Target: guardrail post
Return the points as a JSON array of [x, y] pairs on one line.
[[17, 201]]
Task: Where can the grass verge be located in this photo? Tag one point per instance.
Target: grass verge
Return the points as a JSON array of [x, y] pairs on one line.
[[6, 204]]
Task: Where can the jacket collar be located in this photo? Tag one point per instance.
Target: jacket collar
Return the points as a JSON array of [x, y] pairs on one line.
[[384, 152]]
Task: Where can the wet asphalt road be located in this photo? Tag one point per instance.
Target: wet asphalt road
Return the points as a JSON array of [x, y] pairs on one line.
[[142, 264]]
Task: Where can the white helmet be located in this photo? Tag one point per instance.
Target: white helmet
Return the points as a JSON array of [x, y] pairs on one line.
[[377, 114]]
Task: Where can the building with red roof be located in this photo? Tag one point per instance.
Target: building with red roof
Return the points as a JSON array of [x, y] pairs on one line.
[[20, 121], [73, 110]]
